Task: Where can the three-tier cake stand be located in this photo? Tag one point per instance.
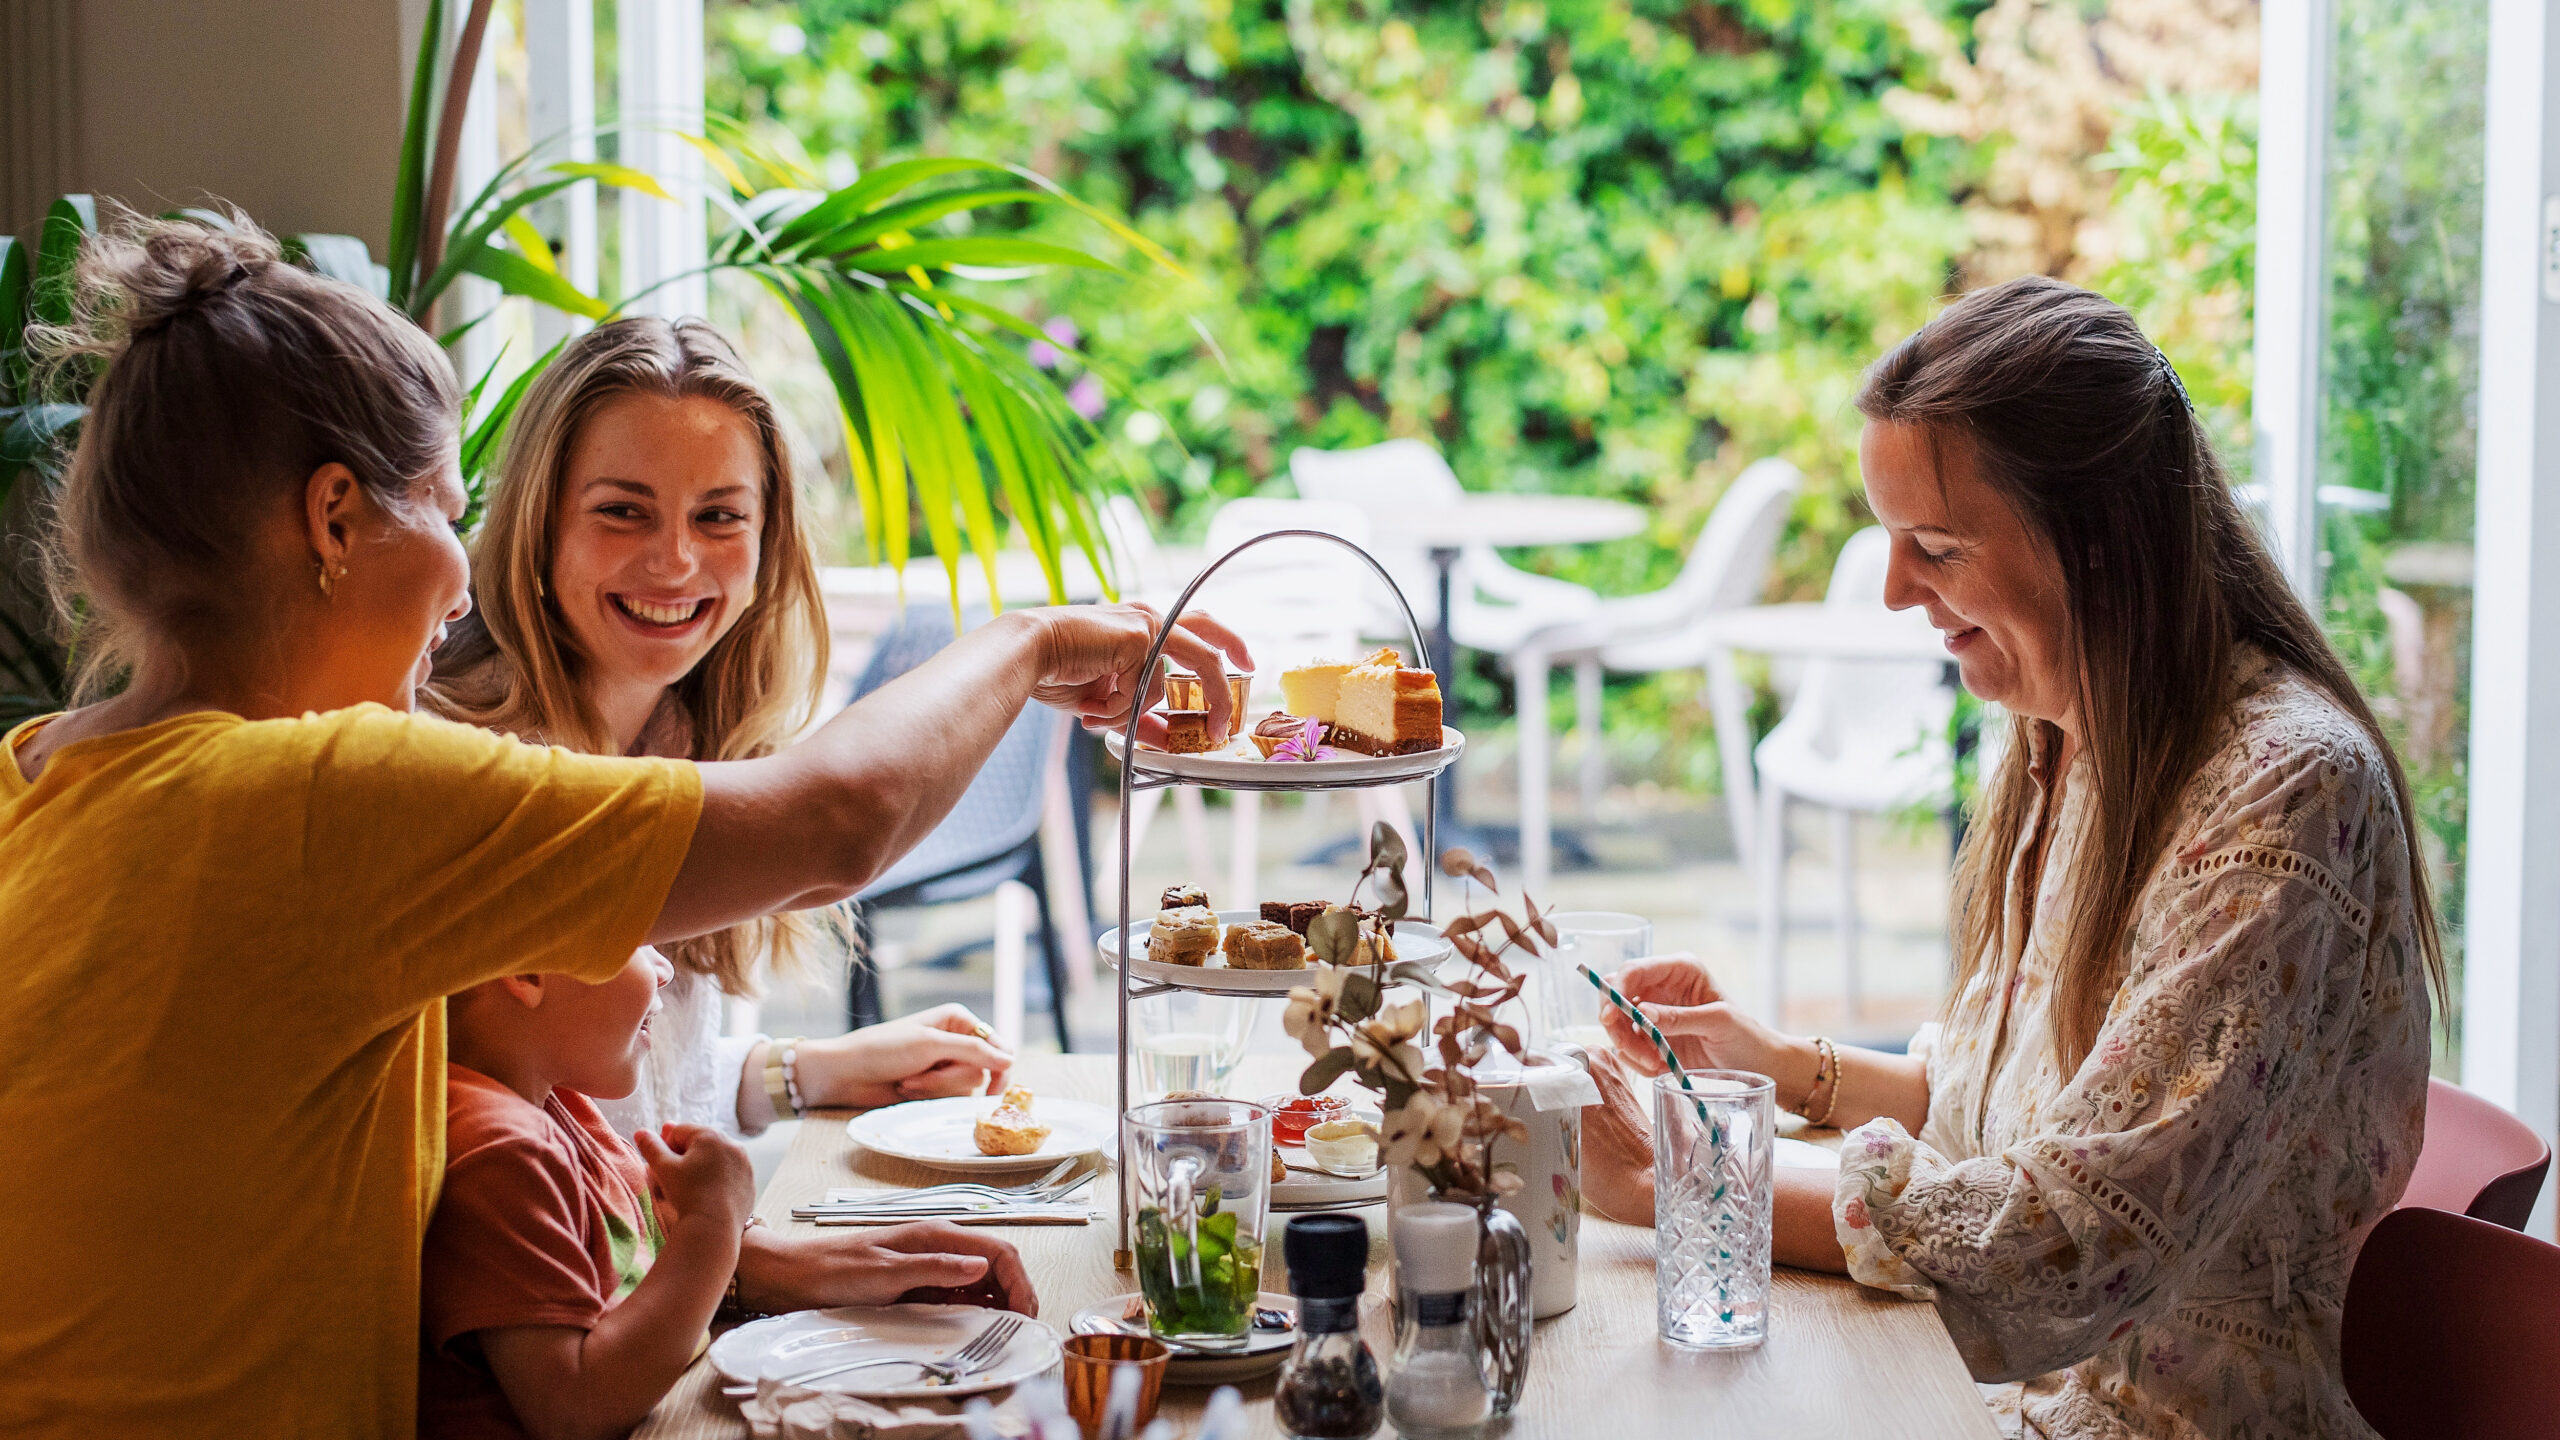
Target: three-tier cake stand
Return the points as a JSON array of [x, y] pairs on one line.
[[1155, 770]]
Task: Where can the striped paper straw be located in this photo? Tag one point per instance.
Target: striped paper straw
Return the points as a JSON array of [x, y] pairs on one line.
[[1626, 1007]]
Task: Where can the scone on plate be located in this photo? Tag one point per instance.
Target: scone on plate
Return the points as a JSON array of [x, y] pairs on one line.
[[1009, 1129], [1264, 945], [1183, 936]]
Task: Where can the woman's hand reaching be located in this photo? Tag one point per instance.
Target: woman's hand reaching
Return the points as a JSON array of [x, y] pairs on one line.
[[930, 1055], [1617, 1147], [1090, 656]]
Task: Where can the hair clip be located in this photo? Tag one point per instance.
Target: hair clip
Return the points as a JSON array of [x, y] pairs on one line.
[[2174, 382]]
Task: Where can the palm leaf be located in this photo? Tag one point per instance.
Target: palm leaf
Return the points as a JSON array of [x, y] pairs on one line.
[[970, 250], [916, 214], [67, 225], [855, 199], [14, 282], [517, 275], [409, 190], [480, 447]]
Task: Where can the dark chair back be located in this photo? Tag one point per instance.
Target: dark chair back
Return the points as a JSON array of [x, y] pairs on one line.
[[2452, 1330], [2477, 1160]]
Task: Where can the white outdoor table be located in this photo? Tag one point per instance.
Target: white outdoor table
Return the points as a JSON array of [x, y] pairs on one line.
[[1446, 530]]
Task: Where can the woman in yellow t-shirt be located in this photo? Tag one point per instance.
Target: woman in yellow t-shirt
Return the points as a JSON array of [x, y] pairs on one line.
[[231, 892]]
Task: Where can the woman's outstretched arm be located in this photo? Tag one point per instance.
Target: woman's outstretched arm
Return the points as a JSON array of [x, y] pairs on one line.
[[815, 823]]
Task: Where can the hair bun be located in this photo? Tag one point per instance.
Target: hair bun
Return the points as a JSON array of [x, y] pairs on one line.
[[135, 280]]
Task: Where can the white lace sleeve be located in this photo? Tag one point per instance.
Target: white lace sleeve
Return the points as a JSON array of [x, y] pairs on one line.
[[2246, 963]]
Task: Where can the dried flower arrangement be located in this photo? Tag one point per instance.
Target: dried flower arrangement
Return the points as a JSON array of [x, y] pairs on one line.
[[1435, 1119]]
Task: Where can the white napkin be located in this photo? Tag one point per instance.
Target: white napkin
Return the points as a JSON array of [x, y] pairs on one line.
[[782, 1411], [1551, 1085]]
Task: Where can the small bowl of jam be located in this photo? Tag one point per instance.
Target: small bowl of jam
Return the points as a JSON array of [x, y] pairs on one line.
[[1292, 1116]]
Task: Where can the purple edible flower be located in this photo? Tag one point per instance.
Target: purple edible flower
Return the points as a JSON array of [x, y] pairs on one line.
[[1303, 746]]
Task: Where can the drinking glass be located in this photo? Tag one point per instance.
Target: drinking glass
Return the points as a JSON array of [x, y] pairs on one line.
[[1201, 1170], [1183, 1041], [1711, 1207], [1562, 1006]]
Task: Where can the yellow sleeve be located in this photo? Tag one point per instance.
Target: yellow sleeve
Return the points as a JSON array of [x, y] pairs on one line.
[[458, 855]]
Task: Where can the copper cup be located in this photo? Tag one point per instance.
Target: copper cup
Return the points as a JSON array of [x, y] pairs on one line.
[[1183, 691], [1090, 1361]]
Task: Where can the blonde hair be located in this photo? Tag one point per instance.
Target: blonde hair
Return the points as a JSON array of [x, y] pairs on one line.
[[514, 664], [226, 375]]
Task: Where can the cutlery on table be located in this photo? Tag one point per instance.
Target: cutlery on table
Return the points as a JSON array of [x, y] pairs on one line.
[[1004, 1215], [980, 1355]]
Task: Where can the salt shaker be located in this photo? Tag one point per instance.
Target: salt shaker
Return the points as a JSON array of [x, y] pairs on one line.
[[1438, 1390], [1330, 1389]]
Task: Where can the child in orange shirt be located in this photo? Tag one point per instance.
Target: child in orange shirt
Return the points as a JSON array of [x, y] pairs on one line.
[[561, 1297]]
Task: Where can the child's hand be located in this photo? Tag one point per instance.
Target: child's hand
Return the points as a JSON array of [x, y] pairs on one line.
[[698, 1172]]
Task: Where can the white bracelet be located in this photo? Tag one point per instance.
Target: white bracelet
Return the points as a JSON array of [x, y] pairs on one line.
[[791, 1076]]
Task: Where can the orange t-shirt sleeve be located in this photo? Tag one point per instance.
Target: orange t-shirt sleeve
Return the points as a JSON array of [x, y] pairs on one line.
[[504, 1250], [462, 855]]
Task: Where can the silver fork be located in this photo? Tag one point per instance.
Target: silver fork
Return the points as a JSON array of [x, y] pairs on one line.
[[1055, 1185], [979, 1355], [1056, 1175]]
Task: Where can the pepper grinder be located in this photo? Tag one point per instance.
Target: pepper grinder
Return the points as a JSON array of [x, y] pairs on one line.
[[1330, 1388], [1438, 1389]]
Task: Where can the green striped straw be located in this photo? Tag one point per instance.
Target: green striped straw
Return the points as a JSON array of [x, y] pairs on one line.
[[1626, 1007]]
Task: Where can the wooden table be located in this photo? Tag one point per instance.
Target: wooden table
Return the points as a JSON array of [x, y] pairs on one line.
[[1839, 1361]]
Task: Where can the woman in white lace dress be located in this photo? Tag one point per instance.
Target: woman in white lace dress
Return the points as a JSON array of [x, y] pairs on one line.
[[643, 587], [2184, 1067]]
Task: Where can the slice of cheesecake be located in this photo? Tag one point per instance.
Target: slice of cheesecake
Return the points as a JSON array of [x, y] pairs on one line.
[[1311, 691], [1385, 708]]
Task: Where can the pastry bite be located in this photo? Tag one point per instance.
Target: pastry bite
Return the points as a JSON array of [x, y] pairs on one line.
[[1009, 1129], [1311, 691], [1280, 728], [1279, 1168], [1177, 896], [1183, 936], [1186, 732], [1263, 945]]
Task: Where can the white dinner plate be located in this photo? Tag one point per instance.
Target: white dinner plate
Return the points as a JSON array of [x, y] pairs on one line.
[[1304, 1188], [1240, 763], [1415, 940], [786, 1347], [1262, 1353], [938, 1132]]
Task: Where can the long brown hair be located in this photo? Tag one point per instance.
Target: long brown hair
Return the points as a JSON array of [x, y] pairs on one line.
[[228, 375], [2082, 426], [514, 665]]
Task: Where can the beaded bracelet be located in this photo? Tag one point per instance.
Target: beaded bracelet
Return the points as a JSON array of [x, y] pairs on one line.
[[1825, 1068], [791, 1076]]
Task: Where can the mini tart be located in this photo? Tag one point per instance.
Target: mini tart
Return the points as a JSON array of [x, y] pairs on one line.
[[1279, 728], [1178, 896], [1262, 945], [1183, 936]]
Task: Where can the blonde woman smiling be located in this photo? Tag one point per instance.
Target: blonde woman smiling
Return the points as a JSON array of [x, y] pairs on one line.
[[2183, 1069], [644, 588]]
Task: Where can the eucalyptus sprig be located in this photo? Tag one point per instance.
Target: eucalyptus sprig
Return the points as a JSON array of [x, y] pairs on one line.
[[1436, 1120]]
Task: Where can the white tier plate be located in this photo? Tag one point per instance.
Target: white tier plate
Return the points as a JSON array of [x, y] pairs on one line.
[[1415, 940], [940, 1132], [1241, 764], [784, 1346]]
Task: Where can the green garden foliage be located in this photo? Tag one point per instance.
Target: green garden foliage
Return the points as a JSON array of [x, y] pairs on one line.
[[1606, 248]]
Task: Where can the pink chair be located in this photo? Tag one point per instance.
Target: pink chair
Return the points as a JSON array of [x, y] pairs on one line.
[[2452, 1330], [2477, 1160]]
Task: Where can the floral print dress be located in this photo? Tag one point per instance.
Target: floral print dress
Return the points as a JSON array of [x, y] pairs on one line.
[[2158, 1244]]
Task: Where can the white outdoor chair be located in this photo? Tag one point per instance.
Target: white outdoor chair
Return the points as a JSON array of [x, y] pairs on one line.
[[1665, 629], [1862, 737], [1290, 601], [1494, 604]]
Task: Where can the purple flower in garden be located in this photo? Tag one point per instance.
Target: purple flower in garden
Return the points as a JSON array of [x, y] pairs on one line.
[[1303, 746], [1062, 330], [1085, 396]]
